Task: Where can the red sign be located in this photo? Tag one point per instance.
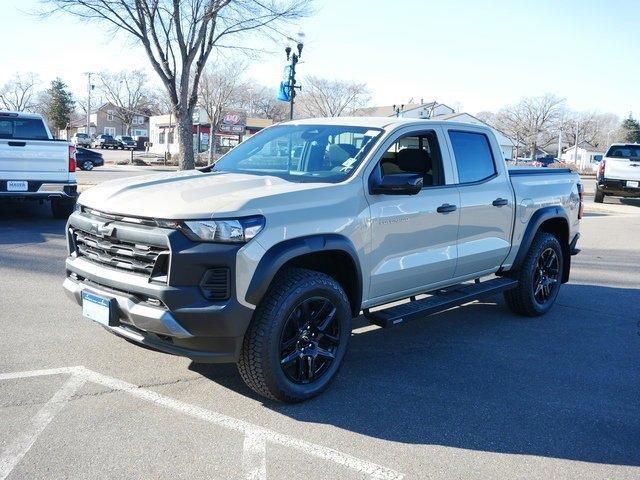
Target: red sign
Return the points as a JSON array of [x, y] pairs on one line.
[[234, 122]]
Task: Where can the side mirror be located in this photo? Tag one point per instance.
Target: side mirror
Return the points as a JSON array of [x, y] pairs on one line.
[[397, 184]]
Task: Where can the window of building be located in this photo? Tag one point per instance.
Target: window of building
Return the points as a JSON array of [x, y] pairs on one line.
[[139, 132], [161, 138], [473, 156], [109, 115], [110, 130], [170, 136]]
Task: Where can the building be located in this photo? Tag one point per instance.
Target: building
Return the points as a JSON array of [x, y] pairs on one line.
[[163, 136], [587, 156], [410, 110], [104, 120]]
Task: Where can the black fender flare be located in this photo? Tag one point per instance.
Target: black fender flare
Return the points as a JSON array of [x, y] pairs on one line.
[[287, 250], [537, 219]]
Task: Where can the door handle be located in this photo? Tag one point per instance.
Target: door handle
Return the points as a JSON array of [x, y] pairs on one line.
[[446, 208], [500, 202], [17, 144]]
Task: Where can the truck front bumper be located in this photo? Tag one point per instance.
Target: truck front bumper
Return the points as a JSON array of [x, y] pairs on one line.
[[173, 316], [617, 188]]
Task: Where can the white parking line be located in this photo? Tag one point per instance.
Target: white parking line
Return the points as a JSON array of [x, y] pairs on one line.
[[22, 443], [254, 457], [256, 437]]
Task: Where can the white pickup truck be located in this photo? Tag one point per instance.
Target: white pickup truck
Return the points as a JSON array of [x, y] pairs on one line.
[[265, 257], [619, 172], [34, 166]]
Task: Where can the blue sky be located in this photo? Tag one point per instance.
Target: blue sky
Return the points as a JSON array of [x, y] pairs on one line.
[[477, 55]]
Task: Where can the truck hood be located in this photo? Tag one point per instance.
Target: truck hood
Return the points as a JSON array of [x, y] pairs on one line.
[[193, 194]]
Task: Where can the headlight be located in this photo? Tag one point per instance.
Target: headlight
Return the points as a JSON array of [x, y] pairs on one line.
[[239, 230]]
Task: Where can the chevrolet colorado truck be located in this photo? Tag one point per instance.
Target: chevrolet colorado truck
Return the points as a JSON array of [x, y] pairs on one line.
[[35, 166], [265, 257]]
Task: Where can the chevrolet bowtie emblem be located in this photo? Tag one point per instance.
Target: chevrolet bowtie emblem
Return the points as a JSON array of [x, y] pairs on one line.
[[102, 229]]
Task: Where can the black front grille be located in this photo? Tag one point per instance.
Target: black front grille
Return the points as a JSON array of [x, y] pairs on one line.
[[215, 284], [120, 254]]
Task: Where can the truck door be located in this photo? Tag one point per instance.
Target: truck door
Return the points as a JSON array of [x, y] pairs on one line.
[[413, 236], [486, 201]]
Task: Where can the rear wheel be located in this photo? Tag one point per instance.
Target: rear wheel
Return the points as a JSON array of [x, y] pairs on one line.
[[297, 338], [539, 277], [599, 196], [87, 165], [62, 208]]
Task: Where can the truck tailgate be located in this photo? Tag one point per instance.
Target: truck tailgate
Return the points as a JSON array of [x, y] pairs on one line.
[[44, 160], [622, 168]]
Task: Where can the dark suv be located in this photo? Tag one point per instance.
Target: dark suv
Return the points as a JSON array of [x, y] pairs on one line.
[[105, 141], [125, 141]]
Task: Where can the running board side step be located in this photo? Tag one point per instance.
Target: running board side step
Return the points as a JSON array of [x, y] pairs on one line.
[[438, 301]]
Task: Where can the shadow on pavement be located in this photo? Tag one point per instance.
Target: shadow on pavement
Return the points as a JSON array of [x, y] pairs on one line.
[[479, 377], [27, 222]]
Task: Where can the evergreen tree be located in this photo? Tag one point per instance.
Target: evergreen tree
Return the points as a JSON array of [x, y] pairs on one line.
[[59, 105], [631, 130]]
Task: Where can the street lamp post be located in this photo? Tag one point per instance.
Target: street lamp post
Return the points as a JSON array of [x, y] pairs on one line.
[[294, 58]]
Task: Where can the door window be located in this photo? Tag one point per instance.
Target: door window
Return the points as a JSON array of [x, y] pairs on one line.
[[473, 156], [415, 153]]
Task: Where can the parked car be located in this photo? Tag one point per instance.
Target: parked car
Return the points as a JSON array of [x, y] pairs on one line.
[[105, 141], [81, 140], [126, 142], [35, 166], [619, 172], [255, 261], [544, 161], [88, 159]]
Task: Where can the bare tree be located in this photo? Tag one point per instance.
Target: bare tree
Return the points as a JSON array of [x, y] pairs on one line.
[[221, 87], [178, 37], [591, 127], [261, 102], [19, 94], [533, 121], [332, 98], [128, 92]]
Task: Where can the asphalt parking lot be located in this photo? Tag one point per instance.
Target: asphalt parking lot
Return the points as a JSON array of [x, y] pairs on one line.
[[474, 392]]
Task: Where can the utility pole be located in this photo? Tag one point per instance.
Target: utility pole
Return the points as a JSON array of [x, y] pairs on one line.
[[294, 58], [89, 88], [575, 155], [560, 138]]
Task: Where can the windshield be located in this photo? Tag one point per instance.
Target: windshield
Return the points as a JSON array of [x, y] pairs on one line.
[[624, 151], [302, 153]]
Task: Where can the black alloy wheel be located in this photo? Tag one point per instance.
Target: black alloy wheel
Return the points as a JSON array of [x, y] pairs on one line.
[[309, 341], [539, 277], [546, 276]]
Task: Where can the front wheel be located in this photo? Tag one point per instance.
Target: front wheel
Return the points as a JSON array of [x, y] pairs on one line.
[[297, 338], [539, 277]]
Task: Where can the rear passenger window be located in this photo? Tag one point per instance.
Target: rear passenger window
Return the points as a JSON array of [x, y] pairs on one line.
[[473, 156], [23, 128]]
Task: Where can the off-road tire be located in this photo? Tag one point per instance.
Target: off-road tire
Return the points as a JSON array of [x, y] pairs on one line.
[[259, 363], [521, 299], [599, 196], [62, 208]]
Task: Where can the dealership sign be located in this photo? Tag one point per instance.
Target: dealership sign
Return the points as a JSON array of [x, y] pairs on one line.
[[233, 123]]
